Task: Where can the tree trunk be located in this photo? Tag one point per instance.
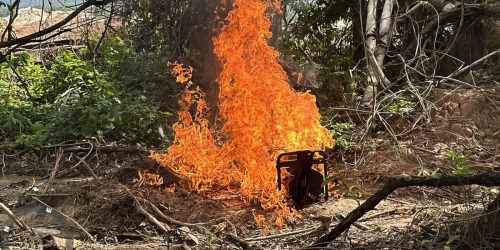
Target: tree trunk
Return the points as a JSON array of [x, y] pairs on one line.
[[371, 46], [375, 52], [358, 52], [371, 26], [202, 55], [385, 32]]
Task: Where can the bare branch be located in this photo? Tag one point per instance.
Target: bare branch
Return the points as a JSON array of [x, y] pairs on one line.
[[480, 60], [76, 12], [486, 179]]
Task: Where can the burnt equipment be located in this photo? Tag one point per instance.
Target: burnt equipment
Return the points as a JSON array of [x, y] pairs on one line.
[[303, 182]]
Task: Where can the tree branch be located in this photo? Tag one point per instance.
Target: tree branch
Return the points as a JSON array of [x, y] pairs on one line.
[[480, 60], [76, 12], [13, 13], [486, 179], [445, 17]]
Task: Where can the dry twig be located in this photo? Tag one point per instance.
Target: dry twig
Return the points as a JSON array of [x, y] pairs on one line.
[[241, 242], [59, 155], [67, 217], [164, 228], [281, 235], [16, 220]]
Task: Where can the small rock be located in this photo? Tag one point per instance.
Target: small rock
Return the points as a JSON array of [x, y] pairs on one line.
[[449, 7], [184, 230], [46, 231]]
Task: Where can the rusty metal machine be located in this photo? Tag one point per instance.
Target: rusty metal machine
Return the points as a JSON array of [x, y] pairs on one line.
[[303, 178]]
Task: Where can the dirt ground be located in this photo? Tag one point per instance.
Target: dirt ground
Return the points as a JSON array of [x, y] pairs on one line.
[[411, 218]]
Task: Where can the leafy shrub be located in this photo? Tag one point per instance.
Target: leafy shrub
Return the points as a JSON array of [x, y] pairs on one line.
[[459, 162], [78, 97], [342, 133], [401, 107]]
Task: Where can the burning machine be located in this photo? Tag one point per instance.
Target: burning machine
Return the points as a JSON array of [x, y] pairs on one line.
[[303, 179]]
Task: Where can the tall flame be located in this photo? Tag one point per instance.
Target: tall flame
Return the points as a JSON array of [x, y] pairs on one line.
[[263, 116]]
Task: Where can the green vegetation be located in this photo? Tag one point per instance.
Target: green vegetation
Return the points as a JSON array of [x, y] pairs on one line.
[[343, 134], [82, 95], [459, 162], [343, 185], [317, 36], [401, 107]]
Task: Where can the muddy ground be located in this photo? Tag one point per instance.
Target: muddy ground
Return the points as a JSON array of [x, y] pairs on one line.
[[411, 218]]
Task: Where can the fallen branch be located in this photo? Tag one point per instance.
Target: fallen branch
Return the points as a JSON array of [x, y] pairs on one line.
[[164, 216], [16, 220], [138, 200], [302, 232], [59, 155], [138, 207], [480, 60], [486, 179], [340, 217], [164, 228], [81, 160], [86, 165], [240, 242], [107, 149], [69, 218]]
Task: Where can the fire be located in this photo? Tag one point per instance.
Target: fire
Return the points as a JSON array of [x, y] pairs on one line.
[[148, 179], [263, 116]]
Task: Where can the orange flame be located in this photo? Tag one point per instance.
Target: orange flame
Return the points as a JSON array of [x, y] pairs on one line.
[[263, 116], [148, 179]]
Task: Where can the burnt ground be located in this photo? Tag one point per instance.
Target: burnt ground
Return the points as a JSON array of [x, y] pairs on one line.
[[411, 218]]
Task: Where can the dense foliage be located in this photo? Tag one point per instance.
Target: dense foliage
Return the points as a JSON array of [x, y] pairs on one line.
[[102, 94], [318, 35]]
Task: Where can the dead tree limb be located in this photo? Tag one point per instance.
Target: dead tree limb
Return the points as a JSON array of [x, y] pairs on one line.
[[48, 30], [164, 228], [140, 209], [67, 217], [486, 179], [16, 220], [472, 65], [241, 242], [59, 155], [164, 216]]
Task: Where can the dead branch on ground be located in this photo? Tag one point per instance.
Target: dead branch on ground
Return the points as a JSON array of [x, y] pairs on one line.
[[164, 228], [16, 220], [302, 232], [486, 179], [233, 238], [241, 242], [465, 69], [69, 218], [140, 209], [164, 216]]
